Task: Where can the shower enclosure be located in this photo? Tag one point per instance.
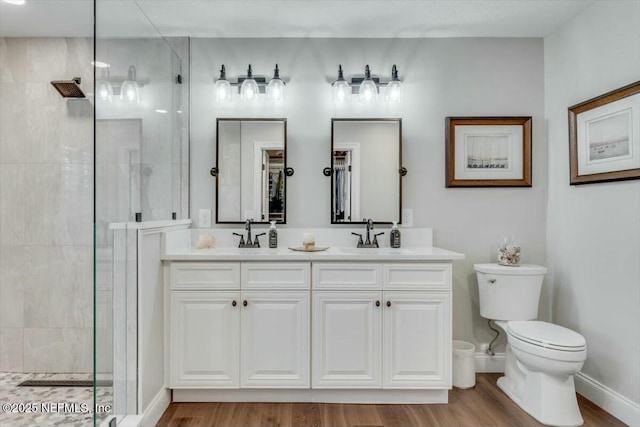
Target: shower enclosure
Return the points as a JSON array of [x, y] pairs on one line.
[[141, 182]]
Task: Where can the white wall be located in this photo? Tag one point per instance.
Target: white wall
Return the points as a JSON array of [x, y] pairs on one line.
[[442, 77], [594, 229]]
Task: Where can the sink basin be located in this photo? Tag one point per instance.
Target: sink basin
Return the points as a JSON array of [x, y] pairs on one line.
[[372, 251]]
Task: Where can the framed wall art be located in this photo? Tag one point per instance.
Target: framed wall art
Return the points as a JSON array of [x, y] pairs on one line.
[[488, 152], [604, 137]]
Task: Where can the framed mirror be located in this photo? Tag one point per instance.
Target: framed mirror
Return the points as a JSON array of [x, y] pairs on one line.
[[366, 170], [251, 158]]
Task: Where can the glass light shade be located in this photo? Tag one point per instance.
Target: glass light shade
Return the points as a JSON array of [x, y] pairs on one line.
[[368, 90], [275, 90], [130, 92], [341, 91], [249, 90], [104, 90], [394, 92], [223, 90]]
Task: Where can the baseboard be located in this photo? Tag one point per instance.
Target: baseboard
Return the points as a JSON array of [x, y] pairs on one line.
[[609, 400], [486, 363], [156, 408]]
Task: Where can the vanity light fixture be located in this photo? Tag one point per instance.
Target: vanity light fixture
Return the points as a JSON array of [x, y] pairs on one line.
[[104, 89], [250, 86], [275, 88], [341, 88], [249, 89], [130, 90], [223, 87], [368, 88], [393, 95]]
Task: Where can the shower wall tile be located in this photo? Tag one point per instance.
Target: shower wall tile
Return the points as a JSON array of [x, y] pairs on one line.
[[11, 349], [13, 59], [12, 192], [46, 59], [12, 131], [46, 206], [58, 206], [11, 286], [58, 286], [60, 350]]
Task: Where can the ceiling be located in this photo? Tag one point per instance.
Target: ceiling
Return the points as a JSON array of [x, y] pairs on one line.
[[289, 18]]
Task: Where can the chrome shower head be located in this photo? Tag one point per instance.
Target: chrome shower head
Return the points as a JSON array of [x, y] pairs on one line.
[[69, 88]]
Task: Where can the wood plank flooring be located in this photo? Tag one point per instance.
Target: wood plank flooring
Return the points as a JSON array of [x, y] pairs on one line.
[[484, 405]]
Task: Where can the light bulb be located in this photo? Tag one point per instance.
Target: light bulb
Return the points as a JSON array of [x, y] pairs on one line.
[[130, 91], [14, 1], [393, 94], [275, 88], [368, 88], [341, 88], [223, 87], [104, 90], [249, 89]]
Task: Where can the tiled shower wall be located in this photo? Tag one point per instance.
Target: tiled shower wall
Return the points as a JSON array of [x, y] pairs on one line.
[[46, 202]]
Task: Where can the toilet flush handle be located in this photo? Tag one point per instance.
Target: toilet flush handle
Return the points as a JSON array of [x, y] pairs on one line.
[[492, 281]]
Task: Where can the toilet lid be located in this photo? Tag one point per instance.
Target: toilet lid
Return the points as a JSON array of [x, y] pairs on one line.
[[547, 335]]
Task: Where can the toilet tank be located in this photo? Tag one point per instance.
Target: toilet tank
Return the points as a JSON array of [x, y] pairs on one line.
[[509, 293]]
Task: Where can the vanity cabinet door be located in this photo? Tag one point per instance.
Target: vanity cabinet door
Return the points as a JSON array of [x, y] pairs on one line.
[[347, 333], [205, 339], [417, 340], [275, 339]]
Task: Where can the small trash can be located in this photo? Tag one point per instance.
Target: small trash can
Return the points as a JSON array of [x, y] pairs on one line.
[[464, 370]]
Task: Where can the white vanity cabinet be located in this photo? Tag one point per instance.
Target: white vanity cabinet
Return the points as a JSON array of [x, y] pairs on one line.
[[239, 325], [336, 330], [390, 330]]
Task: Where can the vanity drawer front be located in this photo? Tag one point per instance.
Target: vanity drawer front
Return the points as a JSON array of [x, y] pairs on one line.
[[205, 275], [417, 276], [347, 276], [276, 275]]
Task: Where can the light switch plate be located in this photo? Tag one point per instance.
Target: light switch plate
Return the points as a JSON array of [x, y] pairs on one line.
[[204, 218], [407, 217]]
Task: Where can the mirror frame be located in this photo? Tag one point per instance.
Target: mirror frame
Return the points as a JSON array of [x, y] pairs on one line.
[[251, 119], [400, 166]]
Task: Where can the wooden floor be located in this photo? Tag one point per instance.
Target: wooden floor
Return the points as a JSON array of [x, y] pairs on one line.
[[484, 405]]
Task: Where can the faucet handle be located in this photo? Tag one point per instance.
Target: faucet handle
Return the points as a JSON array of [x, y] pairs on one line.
[[257, 242], [241, 238], [375, 238], [359, 237]]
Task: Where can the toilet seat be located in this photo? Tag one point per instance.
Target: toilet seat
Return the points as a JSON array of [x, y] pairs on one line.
[[546, 335]]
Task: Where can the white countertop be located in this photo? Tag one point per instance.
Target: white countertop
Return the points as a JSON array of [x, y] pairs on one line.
[[331, 254]]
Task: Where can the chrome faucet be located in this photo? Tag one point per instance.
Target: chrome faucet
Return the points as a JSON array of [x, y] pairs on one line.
[[368, 243], [249, 243]]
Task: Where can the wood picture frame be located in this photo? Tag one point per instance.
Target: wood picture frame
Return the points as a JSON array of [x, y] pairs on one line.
[[488, 152], [604, 137]]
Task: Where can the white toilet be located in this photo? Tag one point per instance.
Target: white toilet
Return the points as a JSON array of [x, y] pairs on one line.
[[541, 358]]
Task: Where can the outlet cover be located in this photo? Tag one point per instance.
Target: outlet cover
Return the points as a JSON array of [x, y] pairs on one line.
[[407, 217], [204, 218]]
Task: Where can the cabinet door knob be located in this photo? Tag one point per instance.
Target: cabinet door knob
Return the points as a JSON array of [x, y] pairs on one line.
[[244, 303], [388, 303], [234, 303], [377, 303]]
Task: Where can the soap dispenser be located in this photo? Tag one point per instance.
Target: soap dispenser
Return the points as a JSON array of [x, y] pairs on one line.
[[273, 235], [394, 236]]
